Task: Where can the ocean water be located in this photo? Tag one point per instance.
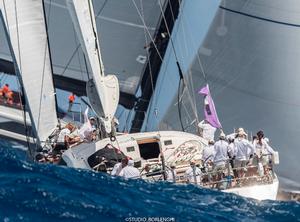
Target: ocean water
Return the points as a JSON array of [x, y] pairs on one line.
[[40, 192]]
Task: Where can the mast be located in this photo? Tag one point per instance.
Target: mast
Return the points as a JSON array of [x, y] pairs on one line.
[[103, 91]]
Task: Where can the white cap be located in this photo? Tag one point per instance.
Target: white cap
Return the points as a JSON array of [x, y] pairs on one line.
[[130, 163]]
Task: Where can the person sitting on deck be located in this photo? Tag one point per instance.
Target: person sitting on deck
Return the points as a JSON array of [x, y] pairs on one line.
[[193, 174], [242, 148], [65, 138], [129, 171]]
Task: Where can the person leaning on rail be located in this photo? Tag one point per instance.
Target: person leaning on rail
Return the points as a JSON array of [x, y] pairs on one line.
[[193, 174], [7, 94]]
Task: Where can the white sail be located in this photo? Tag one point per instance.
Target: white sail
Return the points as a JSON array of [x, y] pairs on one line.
[[25, 25], [107, 87]]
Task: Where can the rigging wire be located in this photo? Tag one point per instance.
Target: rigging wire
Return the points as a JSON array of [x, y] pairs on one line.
[[179, 105], [191, 96], [70, 60], [101, 9], [170, 36], [148, 56], [78, 46], [144, 24], [178, 66], [78, 55]]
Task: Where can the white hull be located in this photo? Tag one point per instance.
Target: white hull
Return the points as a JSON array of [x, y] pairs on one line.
[[259, 192], [169, 142]]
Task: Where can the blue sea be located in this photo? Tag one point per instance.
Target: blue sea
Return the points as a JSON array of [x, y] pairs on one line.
[[37, 192]]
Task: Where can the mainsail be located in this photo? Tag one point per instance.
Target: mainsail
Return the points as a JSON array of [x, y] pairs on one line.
[[250, 59], [26, 32]]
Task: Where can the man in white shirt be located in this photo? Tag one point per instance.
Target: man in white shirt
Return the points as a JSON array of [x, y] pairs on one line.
[[130, 172], [118, 167], [263, 150], [242, 148], [171, 174], [193, 174], [66, 137], [206, 130], [221, 158], [221, 151], [208, 153]]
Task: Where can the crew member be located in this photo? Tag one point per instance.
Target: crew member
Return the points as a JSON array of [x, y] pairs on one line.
[[71, 101], [171, 174], [193, 174], [206, 130], [242, 148], [221, 156], [119, 166], [129, 171], [262, 149]]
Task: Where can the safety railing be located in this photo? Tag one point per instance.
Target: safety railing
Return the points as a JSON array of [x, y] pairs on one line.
[[76, 115], [222, 178]]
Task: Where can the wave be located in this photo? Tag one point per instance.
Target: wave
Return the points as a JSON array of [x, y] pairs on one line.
[[30, 191]]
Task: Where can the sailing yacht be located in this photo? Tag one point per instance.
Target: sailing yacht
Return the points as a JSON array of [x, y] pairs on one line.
[[26, 31]]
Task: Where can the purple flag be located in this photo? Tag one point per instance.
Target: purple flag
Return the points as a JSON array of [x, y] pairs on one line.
[[209, 108]]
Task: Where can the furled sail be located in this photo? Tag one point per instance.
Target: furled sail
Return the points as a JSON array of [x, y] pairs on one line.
[[103, 91], [25, 30]]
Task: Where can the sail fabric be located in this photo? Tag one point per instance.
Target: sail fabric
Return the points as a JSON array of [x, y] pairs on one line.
[[250, 57], [189, 32], [209, 108], [86, 128], [25, 25], [123, 40]]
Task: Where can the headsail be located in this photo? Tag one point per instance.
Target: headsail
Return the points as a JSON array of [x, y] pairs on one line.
[[25, 27], [107, 87]]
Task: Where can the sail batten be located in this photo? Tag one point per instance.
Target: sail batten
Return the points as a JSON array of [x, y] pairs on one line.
[[25, 26]]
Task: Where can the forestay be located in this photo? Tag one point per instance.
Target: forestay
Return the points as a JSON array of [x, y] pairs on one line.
[[25, 25]]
